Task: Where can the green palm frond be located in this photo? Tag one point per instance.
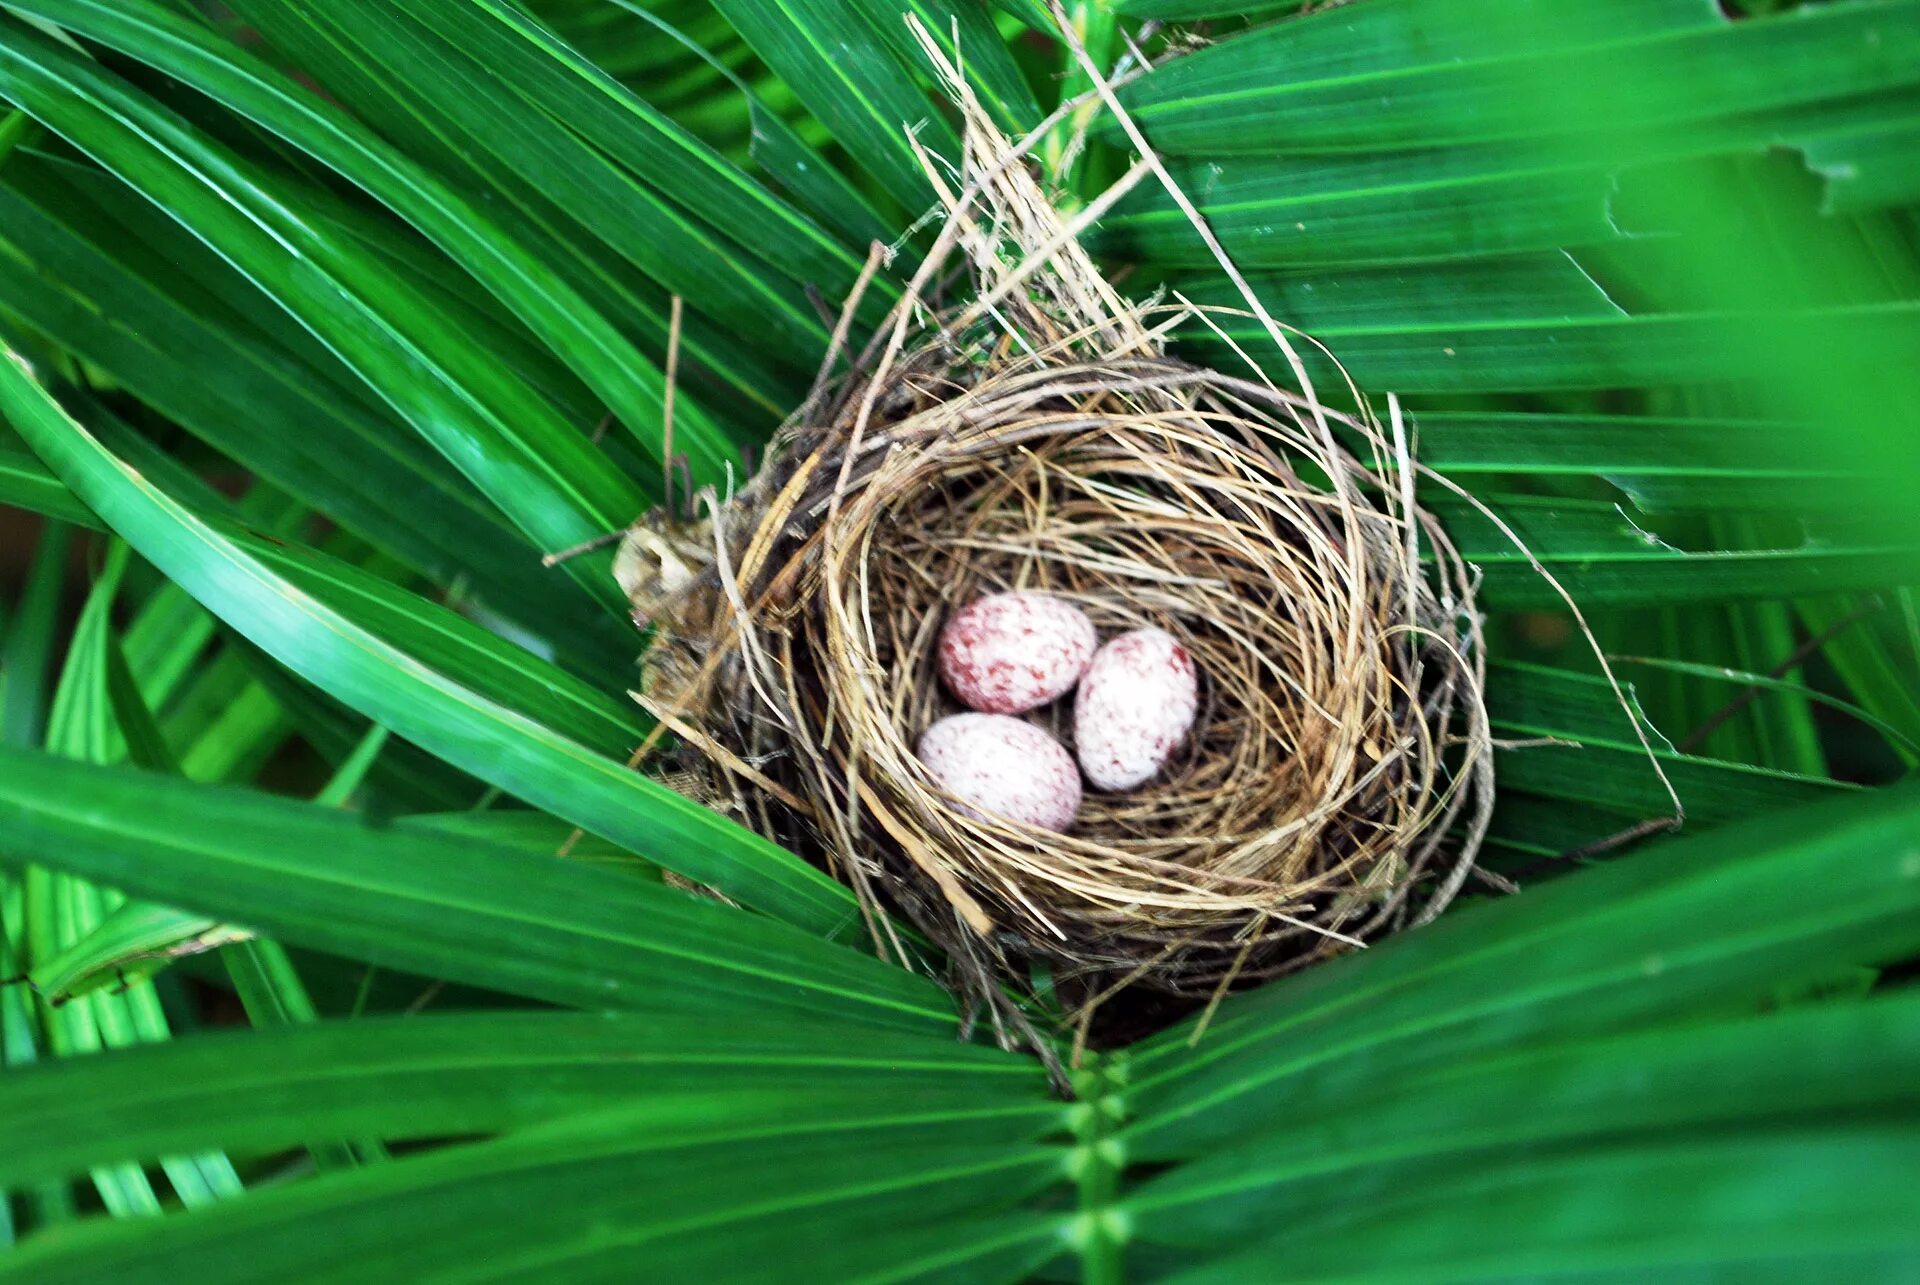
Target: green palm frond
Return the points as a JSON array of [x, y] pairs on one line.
[[326, 321]]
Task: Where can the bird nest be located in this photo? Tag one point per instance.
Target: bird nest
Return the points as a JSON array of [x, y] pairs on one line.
[[1035, 436]]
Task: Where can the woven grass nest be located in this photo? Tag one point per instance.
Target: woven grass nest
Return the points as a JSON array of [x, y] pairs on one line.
[[1034, 435]]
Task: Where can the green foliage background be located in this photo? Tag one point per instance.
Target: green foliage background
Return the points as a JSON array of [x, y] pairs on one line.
[[326, 318]]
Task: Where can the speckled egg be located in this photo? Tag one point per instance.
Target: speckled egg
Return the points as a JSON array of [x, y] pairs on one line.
[[1135, 705], [1002, 768], [1008, 653]]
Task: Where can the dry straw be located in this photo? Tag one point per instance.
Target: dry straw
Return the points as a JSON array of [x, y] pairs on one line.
[[1016, 424]]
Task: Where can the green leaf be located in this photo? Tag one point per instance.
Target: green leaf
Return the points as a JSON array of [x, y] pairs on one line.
[[1415, 73], [408, 778], [20, 1047], [1383, 37], [1031, 12], [26, 484], [1522, 324], [135, 940], [30, 631], [170, 636], [452, 645], [1868, 168], [227, 721], [1510, 1110], [1767, 683], [1602, 764], [566, 242], [692, 1185], [963, 31], [1606, 558], [420, 703], [1774, 1204], [1664, 462], [1707, 924], [1298, 211], [836, 62], [58, 909], [545, 135], [253, 90], [1177, 10], [1546, 825], [1879, 679], [439, 906], [788, 159], [429, 1077], [263, 974], [1478, 200], [269, 986], [270, 989], [30, 639], [541, 472], [61, 910], [1604, 352], [68, 276], [536, 834], [573, 92]]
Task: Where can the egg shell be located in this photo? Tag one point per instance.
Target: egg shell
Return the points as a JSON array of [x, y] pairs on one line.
[[1008, 653], [1003, 768], [1136, 703]]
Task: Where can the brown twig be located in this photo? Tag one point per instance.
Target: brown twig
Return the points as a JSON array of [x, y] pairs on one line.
[[1797, 657], [666, 409]]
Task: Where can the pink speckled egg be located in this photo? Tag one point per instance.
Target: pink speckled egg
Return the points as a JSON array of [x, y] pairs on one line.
[[1135, 704], [1003, 768], [1008, 653]]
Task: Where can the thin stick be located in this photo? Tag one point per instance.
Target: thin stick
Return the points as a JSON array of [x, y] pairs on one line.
[[876, 255], [1579, 617], [1794, 659], [1220, 991], [426, 997], [600, 541], [666, 410], [1618, 839]]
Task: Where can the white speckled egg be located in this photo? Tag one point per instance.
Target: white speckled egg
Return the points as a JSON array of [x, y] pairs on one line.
[[1003, 768], [1136, 703], [1008, 653]]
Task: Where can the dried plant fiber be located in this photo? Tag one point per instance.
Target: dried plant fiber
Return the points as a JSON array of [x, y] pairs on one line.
[[1017, 424]]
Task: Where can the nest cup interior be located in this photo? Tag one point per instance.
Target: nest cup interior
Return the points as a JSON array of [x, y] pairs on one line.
[[1301, 812], [1088, 517]]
